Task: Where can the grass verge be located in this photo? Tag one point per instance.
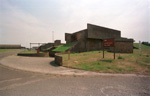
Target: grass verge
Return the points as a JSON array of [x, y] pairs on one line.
[[7, 50], [63, 48], [125, 63]]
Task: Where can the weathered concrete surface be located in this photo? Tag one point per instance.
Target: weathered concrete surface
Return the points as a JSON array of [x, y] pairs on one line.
[[58, 60], [39, 64], [98, 32], [124, 47], [90, 39], [34, 64]]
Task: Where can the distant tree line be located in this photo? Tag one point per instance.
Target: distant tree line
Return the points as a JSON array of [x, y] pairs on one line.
[[146, 43]]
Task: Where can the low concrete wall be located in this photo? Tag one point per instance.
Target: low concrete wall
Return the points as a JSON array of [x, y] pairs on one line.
[[51, 52], [58, 60], [34, 54], [123, 47]]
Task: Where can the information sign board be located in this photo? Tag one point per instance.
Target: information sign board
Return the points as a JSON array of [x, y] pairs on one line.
[[108, 42]]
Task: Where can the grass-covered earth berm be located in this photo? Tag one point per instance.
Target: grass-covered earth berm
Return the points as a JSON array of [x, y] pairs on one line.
[[124, 62], [63, 48]]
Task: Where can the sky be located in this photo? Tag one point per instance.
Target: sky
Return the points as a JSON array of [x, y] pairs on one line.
[[33, 21]]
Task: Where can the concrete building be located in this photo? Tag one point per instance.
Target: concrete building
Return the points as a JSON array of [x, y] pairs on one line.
[[91, 39]]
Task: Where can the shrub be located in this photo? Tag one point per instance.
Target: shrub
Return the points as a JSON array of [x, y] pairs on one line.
[[120, 57], [108, 67], [146, 43]]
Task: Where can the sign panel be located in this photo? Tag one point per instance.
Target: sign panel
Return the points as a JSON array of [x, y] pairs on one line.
[[108, 42]]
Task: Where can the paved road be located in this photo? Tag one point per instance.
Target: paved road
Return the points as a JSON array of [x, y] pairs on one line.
[[5, 54], [20, 83]]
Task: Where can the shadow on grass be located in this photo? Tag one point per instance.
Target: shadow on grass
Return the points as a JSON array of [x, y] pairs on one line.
[[108, 61]]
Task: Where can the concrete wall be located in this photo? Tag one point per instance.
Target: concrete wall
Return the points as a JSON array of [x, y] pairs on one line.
[[78, 35], [75, 36], [97, 32], [84, 43], [51, 52], [57, 42], [58, 60], [80, 38], [87, 45], [123, 47], [90, 39], [93, 44], [68, 38], [80, 46]]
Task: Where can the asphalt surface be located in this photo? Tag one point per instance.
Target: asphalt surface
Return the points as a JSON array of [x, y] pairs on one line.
[[21, 83]]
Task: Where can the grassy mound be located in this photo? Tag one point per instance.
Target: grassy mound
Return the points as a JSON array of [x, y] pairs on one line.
[[63, 48]]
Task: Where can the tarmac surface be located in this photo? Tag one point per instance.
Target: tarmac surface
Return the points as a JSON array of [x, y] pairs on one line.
[[40, 64]]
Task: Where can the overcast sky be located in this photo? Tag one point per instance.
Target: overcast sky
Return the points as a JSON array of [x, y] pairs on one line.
[[25, 21]]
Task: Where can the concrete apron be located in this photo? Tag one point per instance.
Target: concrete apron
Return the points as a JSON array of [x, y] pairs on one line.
[[46, 65]]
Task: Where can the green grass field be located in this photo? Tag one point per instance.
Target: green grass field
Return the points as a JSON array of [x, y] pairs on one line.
[[63, 48], [124, 62], [7, 50]]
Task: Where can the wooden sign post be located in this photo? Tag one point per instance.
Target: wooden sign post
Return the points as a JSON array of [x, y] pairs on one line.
[[109, 43], [114, 52], [68, 57]]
